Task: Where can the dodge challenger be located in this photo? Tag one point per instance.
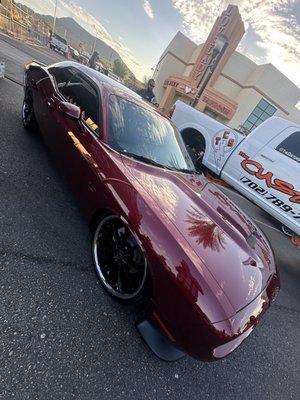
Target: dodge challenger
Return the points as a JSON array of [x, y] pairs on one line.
[[162, 235]]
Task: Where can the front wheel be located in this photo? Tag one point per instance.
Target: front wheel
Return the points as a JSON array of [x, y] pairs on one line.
[[119, 261], [28, 117]]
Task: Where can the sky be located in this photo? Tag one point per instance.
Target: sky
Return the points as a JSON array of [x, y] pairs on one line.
[[140, 30]]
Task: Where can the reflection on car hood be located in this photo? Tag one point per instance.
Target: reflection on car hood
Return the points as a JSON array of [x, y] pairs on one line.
[[233, 250]]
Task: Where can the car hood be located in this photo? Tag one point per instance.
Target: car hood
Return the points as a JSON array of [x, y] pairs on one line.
[[226, 241]]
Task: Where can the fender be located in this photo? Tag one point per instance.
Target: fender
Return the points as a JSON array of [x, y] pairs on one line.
[[201, 129]]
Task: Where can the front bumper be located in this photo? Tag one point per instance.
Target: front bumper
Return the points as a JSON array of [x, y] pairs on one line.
[[236, 329]]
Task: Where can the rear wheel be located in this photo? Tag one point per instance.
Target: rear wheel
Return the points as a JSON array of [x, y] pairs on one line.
[[28, 117], [119, 260], [287, 231]]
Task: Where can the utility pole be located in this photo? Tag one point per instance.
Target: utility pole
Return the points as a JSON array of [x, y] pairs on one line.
[[11, 15], [94, 44], [54, 17]]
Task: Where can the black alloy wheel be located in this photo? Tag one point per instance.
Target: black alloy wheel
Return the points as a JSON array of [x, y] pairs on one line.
[[119, 260], [28, 117]]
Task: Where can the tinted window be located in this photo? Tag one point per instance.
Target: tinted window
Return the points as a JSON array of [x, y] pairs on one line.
[[291, 146], [61, 75], [138, 131], [78, 91], [57, 37]]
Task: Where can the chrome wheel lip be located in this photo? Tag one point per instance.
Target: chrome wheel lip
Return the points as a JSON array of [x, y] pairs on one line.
[[122, 296]]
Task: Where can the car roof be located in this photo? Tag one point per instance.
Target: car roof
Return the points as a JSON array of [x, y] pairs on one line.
[[110, 84]]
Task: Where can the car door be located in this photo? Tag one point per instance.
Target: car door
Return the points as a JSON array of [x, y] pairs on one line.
[[50, 119], [87, 161], [272, 175]]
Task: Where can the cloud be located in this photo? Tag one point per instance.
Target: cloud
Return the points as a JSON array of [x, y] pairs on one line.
[[148, 9], [275, 31], [92, 25]]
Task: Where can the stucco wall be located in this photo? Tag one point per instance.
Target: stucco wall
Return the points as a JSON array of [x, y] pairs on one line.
[[183, 48], [241, 80]]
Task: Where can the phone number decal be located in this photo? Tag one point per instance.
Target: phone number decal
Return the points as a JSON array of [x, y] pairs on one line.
[[270, 197]]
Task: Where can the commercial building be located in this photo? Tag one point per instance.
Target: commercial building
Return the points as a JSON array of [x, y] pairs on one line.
[[222, 82]]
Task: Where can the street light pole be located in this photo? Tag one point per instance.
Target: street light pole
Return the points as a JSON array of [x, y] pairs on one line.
[[54, 17], [11, 15]]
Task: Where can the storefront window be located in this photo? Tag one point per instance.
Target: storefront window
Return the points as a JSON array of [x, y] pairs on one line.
[[261, 112]]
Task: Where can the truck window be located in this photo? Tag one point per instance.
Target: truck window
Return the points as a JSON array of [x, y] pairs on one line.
[[291, 146], [59, 38]]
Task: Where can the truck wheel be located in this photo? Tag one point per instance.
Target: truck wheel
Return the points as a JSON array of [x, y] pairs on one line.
[[287, 231]]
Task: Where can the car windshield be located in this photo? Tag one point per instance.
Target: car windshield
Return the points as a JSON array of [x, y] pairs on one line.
[[59, 38], [143, 134]]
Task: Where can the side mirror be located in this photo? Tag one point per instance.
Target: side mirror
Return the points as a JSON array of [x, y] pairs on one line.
[[70, 110]]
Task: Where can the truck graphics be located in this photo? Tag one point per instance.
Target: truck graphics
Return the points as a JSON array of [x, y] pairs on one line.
[[263, 166]]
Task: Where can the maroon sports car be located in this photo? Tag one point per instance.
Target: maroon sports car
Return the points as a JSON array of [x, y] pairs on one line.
[[162, 234]]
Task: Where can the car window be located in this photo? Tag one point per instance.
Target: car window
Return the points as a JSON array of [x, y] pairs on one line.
[[57, 37], [138, 131], [291, 146], [61, 75], [80, 92]]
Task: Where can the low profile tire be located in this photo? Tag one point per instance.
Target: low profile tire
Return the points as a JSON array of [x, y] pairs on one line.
[[119, 261], [28, 117]]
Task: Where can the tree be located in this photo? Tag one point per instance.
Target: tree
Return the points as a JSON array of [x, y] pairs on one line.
[[120, 68]]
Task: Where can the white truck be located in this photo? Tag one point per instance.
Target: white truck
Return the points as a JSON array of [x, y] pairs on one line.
[[264, 166], [59, 44]]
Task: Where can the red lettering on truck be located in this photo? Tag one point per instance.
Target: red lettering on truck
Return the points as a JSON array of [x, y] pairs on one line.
[[255, 168]]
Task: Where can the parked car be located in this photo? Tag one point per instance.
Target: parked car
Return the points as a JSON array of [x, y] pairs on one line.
[[74, 53], [84, 58], [264, 166], [161, 233], [60, 44]]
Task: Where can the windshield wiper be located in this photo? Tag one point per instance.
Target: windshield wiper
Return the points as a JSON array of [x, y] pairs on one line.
[[155, 163], [145, 160]]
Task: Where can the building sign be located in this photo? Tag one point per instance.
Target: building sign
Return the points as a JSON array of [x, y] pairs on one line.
[[170, 82], [218, 107], [180, 87], [206, 53]]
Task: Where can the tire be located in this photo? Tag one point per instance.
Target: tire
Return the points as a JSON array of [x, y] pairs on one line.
[[287, 231], [119, 261], [28, 116]]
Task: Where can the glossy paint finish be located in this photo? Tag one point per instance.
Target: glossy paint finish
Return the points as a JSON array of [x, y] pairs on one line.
[[213, 272]]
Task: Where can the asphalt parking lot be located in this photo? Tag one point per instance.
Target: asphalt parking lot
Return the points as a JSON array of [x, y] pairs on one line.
[[62, 337]]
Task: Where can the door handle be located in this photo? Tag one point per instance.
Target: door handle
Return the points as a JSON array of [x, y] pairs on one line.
[[267, 158], [50, 103]]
